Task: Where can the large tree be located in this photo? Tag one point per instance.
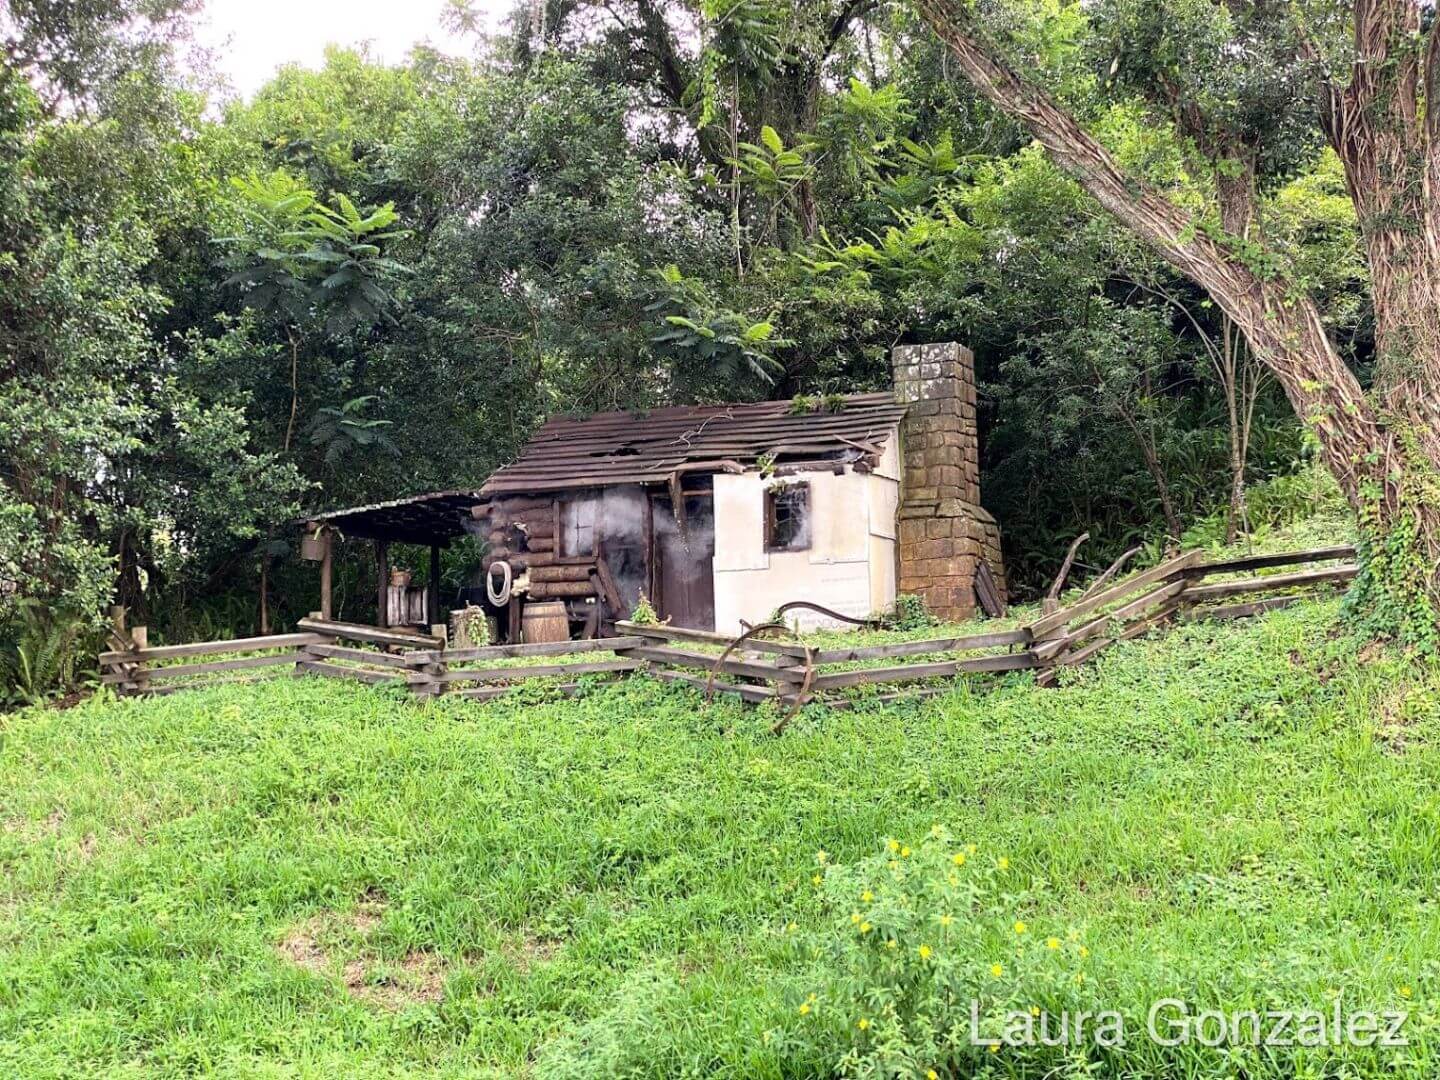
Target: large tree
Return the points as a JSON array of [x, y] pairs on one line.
[[1384, 446]]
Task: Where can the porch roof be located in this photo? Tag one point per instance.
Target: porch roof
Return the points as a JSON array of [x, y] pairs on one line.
[[436, 518]]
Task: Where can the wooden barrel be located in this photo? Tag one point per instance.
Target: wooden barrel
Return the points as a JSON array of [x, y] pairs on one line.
[[545, 621]]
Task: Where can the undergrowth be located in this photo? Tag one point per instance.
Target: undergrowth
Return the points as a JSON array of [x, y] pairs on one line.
[[625, 884]]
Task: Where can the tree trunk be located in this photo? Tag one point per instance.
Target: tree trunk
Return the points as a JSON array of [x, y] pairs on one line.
[[1239, 410], [1390, 149], [264, 594], [1235, 192], [1385, 462], [735, 173], [1148, 454], [294, 386]]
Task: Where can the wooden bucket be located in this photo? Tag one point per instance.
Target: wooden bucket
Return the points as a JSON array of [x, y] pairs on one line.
[[545, 621]]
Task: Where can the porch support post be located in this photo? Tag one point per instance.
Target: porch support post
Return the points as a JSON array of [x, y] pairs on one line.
[[434, 590], [327, 565], [382, 569]]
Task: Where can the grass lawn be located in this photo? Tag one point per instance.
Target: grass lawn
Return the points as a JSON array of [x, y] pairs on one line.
[[308, 877]]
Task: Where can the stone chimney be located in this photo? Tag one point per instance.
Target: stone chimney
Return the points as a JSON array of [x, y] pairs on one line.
[[944, 531]]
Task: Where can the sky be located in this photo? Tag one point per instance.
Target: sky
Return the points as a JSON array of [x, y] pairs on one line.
[[251, 38]]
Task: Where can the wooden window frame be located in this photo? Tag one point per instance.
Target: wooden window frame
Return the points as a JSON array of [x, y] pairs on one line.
[[801, 487], [597, 538]]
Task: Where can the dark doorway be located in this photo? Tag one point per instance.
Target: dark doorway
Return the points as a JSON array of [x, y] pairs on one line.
[[684, 571]]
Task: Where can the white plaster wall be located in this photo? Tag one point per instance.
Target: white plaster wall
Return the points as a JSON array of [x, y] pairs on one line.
[[850, 565]]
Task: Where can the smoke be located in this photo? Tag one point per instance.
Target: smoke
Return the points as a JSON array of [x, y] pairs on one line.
[[622, 528], [695, 548]]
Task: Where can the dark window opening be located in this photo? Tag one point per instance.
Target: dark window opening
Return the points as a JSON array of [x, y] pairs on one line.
[[787, 518]]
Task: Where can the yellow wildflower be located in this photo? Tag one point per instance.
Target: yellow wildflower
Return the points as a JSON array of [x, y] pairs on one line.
[[1020, 926], [997, 970], [1003, 863], [867, 896], [1405, 991], [958, 858], [931, 1074], [815, 880], [892, 943], [904, 852], [862, 1023], [924, 952], [1084, 952], [790, 928], [865, 928], [822, 857], [854, 916], [947, 919], [1052, 942], [994, 1049], [893, 844], [1034, 1010]]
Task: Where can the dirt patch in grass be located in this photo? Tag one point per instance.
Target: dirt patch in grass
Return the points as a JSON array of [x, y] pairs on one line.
[[368, 912], [417, 978], [1395, 721], [526, 950], [301, 949], [1323, 673], [319, 945], [36, 830]]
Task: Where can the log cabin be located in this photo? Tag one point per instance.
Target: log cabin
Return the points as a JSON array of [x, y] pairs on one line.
[[720, 514]]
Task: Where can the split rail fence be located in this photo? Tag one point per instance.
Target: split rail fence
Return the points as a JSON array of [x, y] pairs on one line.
[[754, 668]]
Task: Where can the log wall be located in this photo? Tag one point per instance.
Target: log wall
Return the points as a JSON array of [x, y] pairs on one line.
[[521, 531]]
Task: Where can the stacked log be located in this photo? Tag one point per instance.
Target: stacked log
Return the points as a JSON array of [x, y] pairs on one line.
[[521, 531]]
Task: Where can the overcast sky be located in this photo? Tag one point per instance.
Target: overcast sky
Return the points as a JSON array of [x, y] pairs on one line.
[[251, 38]]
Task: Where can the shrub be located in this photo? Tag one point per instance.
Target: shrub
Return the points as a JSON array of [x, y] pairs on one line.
[[910, 613], [644, 613], [938, 962], [909, 939], [41, 652]]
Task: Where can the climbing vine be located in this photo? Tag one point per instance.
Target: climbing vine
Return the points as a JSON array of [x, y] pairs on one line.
[[1394, 593]]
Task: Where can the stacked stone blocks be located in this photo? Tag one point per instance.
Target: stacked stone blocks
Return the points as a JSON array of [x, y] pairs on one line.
[[943, 530]]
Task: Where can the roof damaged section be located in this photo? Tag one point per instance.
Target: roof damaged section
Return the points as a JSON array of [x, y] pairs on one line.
[[628, 448]]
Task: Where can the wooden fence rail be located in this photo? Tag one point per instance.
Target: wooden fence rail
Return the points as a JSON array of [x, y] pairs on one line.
[[758, 669]]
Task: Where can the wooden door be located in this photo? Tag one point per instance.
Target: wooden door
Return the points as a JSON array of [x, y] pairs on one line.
[[684, 574]]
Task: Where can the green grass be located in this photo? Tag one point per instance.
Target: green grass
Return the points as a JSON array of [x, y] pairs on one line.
[[601, 885]]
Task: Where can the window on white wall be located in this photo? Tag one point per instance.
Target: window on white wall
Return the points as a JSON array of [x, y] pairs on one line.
[[787, 517]]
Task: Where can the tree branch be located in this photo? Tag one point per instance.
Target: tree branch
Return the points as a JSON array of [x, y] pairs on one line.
[[1284, 327]]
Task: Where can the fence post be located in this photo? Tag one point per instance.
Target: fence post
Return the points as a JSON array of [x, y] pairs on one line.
[[425, 664], [303, 655], [140, 640]]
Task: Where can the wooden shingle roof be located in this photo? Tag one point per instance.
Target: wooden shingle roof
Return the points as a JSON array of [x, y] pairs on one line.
[[631, 448], [420, 519]]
